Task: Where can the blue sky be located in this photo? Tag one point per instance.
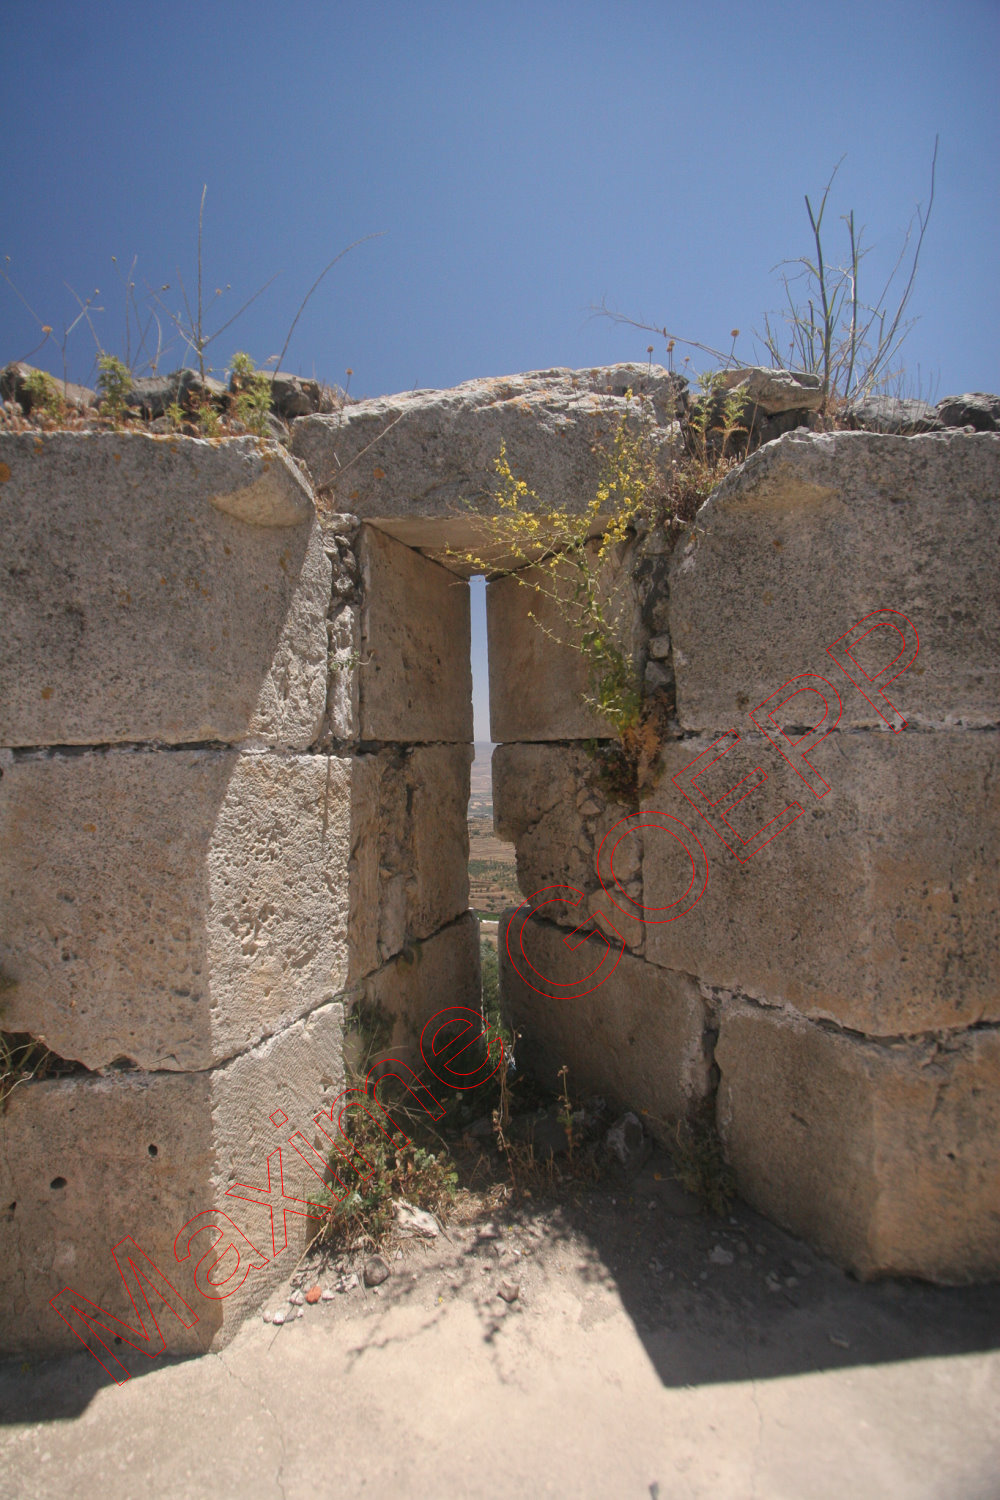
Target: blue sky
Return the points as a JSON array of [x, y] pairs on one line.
[[523, 161]]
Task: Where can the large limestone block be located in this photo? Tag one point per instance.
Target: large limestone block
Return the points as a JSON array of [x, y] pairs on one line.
[[427, 977], [887, 1157], [875, 908], [409, 857], [538, 676], [158, 589], [416, 673], [423, 463], [85, 1161], [170, 907], [546, 803], [537, 684], [815, 532], [640, 1037]]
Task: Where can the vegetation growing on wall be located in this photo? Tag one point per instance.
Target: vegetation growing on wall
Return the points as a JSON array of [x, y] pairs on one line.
[[827, 327]]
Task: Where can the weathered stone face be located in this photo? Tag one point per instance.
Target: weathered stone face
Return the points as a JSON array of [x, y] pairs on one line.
[[872, 917], [876, 908], [883, 1155], [409, 848], [424, 978], [415, 677], [166, 590], [640, 1037], [815, 532], [538, 679], [775, 391], [546, 804], [89, 1160], [423, 463], [171, 907]]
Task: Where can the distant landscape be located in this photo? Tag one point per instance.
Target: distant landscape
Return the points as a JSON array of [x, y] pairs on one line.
[[492, 876]]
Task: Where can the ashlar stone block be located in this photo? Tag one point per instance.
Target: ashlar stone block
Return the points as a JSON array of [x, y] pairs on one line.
[[875, 908], [409, 863], [813, 533], [539, 679], [428, 976], [416, 674], [87, 1160], [170, 907], [159, 589], [886, 1156], [640, 1038]]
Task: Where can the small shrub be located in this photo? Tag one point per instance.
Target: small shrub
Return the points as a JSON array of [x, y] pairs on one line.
[[426, 1178], [44, 394], [251, 400], [114, 381], [208, 419], [577, 571]]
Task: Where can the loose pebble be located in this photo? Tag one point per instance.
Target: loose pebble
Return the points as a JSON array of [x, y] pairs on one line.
[[376, 1270]]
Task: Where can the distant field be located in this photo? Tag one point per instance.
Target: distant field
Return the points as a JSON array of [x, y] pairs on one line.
[[492, 870]]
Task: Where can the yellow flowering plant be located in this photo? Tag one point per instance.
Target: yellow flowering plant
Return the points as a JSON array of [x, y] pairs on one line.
[[575, 558]]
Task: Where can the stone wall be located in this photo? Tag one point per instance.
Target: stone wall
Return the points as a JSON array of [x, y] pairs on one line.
[[832, 996], [235, 728], [233, 790]]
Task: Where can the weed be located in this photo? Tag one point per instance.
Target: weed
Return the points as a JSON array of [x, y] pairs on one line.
[[567, 558], [566, 1111], [830, 330], [43, 394], [631, 764], [114, 381], [208, 419], [251, 401], [363, 1216], [833, 333], [700, 1164], [493, 1021]]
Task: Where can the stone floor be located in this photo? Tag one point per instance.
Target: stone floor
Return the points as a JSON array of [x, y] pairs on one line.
[[648, 1351]]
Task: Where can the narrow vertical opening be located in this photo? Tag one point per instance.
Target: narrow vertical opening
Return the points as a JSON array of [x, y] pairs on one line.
[[492, 874]]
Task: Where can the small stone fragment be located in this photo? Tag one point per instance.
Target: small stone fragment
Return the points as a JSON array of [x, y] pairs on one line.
[[314, 1294], [413, 1220], [376, 1270], [509, 1290], [720, 1256], [267, 1315], [488, 1232], [279, 1316], [328, 1294], [296, 1298]]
